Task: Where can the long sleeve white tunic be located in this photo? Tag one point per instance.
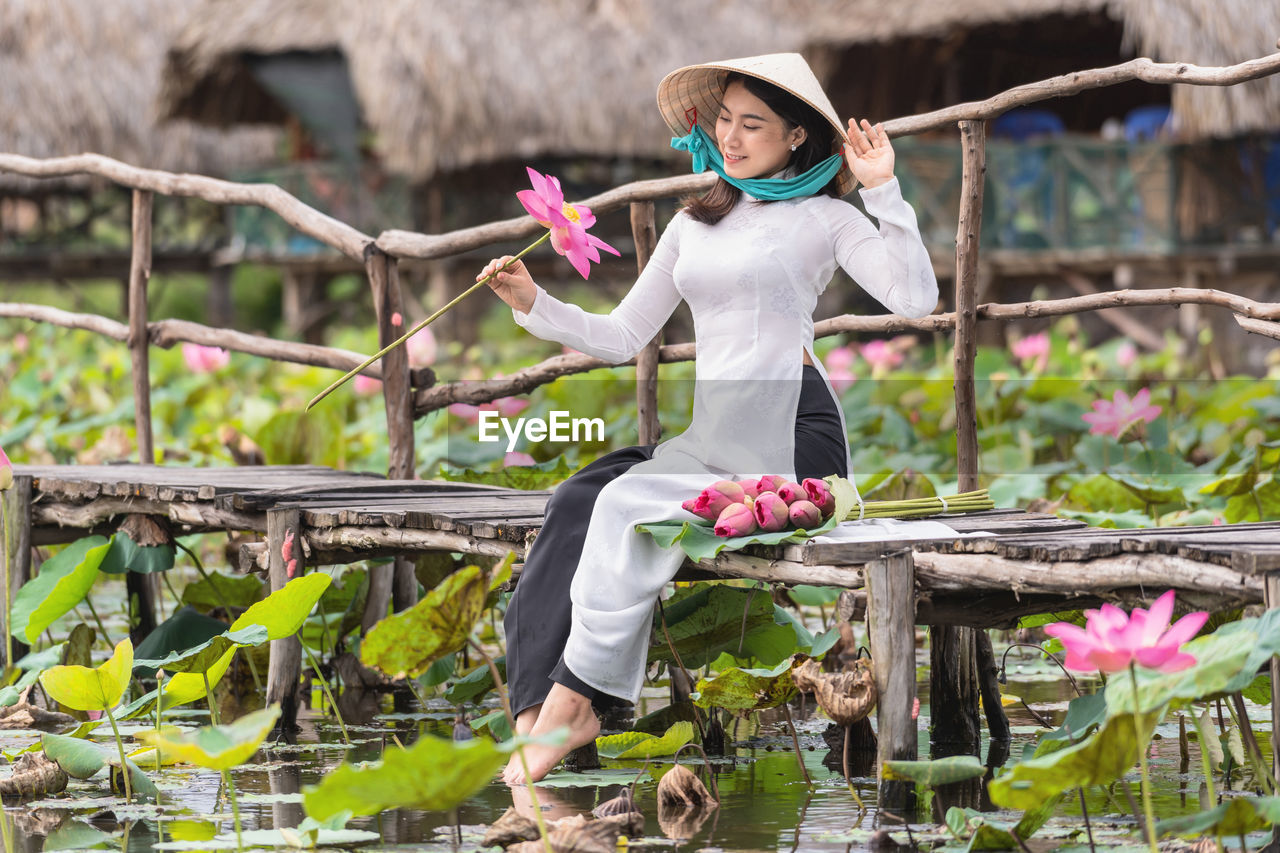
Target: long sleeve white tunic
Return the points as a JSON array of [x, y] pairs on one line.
[[752, 282]]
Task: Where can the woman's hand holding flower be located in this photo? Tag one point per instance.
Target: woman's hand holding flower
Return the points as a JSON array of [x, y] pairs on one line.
[[512, 285], [869, 153]]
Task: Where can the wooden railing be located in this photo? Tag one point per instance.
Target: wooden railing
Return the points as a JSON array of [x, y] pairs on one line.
[[380, 256]]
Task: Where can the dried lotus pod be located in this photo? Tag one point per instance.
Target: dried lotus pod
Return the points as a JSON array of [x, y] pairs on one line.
[[630, 824], [846, 696], [147, 530], [681, 787], [621, 804], [509, 829], [575, 835]]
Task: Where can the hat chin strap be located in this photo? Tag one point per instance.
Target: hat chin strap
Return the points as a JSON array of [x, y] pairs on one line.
[[706, 155]]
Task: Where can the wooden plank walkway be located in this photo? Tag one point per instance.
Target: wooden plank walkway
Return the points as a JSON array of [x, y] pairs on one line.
[[1030, 563]]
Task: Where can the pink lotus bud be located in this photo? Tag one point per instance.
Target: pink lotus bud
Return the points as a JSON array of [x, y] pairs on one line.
[[719, 495], [770, 512], [751, 488], [6, 471], [792, 492], [820, 495], [736, 520], [770, 483], [700, 508], [804, 514], [397, 319]]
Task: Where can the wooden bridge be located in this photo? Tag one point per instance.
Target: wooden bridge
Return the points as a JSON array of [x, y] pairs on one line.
[[1030, 563]]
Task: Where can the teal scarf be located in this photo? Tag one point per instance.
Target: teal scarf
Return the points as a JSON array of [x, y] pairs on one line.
[[707, 154]]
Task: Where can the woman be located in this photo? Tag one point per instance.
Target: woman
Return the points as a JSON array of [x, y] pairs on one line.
[[750, 257]]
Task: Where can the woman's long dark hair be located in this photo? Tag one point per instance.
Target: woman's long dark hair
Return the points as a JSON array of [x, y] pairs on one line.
[[712, 206]]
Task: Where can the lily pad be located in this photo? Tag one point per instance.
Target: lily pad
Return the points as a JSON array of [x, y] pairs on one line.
[[641, 745], [283, 611], [80, 759], [745, 690], [86, 689], [216, 747], [76, 835], [62, 583]]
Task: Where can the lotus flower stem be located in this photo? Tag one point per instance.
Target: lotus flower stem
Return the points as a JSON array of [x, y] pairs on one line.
[[222, 602], [422, 325], [159, 705], [235, 806], [499, 686], [208, 698], [8, 605], [1261, 772], [124, 765], [101, 627], [324, 685], [844, 759], [1148, 813], [795, 741], [1088, 828], [1205, 762]]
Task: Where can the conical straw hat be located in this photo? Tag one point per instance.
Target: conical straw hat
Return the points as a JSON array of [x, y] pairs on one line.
[[697, 90]]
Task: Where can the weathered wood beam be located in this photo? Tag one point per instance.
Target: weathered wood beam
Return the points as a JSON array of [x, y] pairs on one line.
[[645, 232], [139, 341], [82, 516]]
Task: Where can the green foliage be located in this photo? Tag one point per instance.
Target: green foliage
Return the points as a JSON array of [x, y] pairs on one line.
[[86, 689], [637, 745], [62, 583], [746, 690], [711, 619], [220, 590], [216, 747], [296, 437], [200, 658], [433, 774], [1235, 817], [941, 771], [406, 643], [530, 477], [283, 611], [475, 684], [126, 555]]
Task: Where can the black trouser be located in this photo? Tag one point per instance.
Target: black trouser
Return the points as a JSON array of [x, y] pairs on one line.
[[540, 611]]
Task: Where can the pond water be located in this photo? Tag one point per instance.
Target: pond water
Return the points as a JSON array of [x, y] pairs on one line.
[[765, 803]]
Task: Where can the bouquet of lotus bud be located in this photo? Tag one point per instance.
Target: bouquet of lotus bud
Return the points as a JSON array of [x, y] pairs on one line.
[[772, 511]]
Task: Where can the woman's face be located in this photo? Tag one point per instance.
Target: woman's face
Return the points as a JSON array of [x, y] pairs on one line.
[[754, 140]]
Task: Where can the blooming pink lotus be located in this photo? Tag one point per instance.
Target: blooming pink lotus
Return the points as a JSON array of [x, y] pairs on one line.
[[1112, 641], [202, 359], [422, 348], [841, 378], [6, 471], [1126, 354], [568, 222], [1033, 347], [881, 355], [1114, 417], [840, 357]]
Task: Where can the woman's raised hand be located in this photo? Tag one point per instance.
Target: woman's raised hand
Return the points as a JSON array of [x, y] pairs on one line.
[[869, 153], [513, 285]]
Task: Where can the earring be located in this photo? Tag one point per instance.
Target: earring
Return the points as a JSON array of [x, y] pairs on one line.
[[793, 148]]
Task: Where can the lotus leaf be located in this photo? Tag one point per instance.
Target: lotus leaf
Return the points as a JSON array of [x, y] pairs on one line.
[[86, 689], [407, 643], [125, 555], [433, 774], [283, 611], [62, 583], [475, 684], [182, 688], [941, 771], [1236, 816], [219, 590], [200, 658], [745, 690], [641, 745], [80, 758], [713, 618], [216, 747]]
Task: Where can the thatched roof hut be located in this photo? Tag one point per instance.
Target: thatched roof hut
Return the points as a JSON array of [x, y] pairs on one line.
[[446, 85], [83, 77]]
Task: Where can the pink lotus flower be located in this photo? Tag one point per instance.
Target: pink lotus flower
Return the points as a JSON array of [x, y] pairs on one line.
[[819, 494], [422, 348], [792, 492], [841, 378], [771, 512], [510, 406], [6, 471], [518, 458], [366, 385], [1112, 641], [881, 355], [839, 358], [201, 359], [804, 514], [568, 222], [1114, 417], [769, 483], [750, 487], [1126, 354], [715, 499], [736, 520], [1033, 347], [465, 410]]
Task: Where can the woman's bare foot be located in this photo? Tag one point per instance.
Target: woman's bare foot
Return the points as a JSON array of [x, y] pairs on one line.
[[563, 708], [525, 721]]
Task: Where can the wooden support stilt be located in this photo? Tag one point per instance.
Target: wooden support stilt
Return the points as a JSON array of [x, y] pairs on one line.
[[645, 232], [139, 342], [392, 583], [891, 632], [17, 509], [974, 164], [953, 691], [890, 583], [989, 685], [285, 669]]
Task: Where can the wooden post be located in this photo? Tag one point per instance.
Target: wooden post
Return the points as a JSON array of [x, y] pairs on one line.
[[1271, 595], [285, 669], [989, 686], [645, 232], [953, 691], [973, 138], [891, 631], [399, 586], [139, 275], [17, 509]]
